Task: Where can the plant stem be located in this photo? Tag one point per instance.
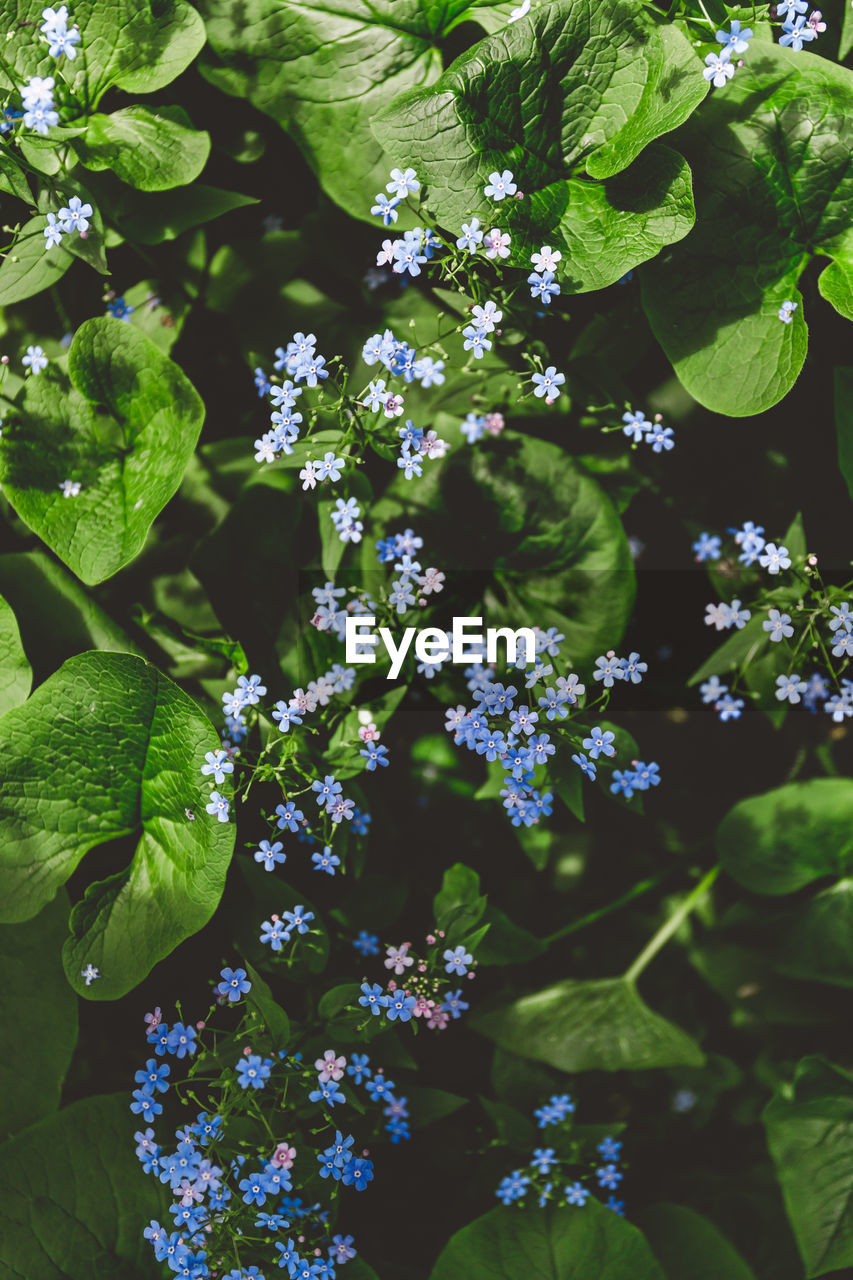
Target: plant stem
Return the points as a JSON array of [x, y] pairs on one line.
[[663, 935], [643, 887]]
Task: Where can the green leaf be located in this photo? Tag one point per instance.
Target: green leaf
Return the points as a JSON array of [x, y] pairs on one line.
[[151, 150], [769, 196], [73, 1199], [261, 999], [810, 1135], [151, 219], [458, 906], [779, 842], [689, 1247], [507, 942], [107, 748], [126, 431], [431, 1105], [136, 45], [552, 547], [843, 378], [29, 267], [38, 1011], [56, 615], [600, 1025], [322, 71], [573, 93], [16, 674], [818, 944], [13, 180], [557, 1244]]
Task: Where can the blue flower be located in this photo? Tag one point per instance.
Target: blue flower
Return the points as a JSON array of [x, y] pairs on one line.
[[599, 743], [399, 1005], [457, 961], [774, 558], [181, 1040], [718, 68], [609, 1176], [707, 546], [359, 1067], [254, 1189], [298, 919], [609, 1148], [327, 1091], [154, 1077], [145, 1105], [586, 766], [325, 861], [366, 943], [373, 997], [777, 626], [543, 1159], [218, 805], [500, 185], [384, 208], [252, 1072], [576, 1193], [548, 383], [471, 236], [797, 32], [790, 687], [270, 854], [737, 38], [234, 984], [375, 755], [543, 285], [358, 1173], [512, 1187]]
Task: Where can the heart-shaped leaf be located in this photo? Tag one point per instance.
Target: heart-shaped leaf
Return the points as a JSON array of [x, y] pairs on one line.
[[780, 841], [38, 1013], [323, 70], [773, 188], [557, 1244], [15, 672], [810, 1135], [136, 45], [601, 1025], [30, 266], [125, 430], [571, 94], [73, 1200], [108, 748], [150, 150]]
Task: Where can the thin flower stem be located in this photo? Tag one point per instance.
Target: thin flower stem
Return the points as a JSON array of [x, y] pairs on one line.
[[643, 887], [666, 931]]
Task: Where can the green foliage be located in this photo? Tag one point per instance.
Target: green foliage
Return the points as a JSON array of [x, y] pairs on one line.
[[769, 197], [540, 533], [29, 268], [689, 1247], [71, 1198], [566, 100], [560, 1244], [123, 761], [810, 1135], [129, 425], [151, 150], [15, 672], [600, 1025], [323, 72], [38, 1011]]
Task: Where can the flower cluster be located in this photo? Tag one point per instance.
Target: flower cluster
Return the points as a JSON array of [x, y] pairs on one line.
[[505, 726], [788, 617], [637, 427], [70, 218], [234, 1183], [420, 995], [563, 1177]]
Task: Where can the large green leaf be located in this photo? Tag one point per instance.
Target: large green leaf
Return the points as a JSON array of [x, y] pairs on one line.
[[107, 748], [322, 70], [843, 381], [689, 1247], [543, 545], [73, 1200], [601, 1025], [573, 93], [136, 45], [558, 1244], [15, 672], [810, 1135], [38, 1013], [773, 187], [56, 616], [29, 267], [780, 841], [126, 430], [150, 150]]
